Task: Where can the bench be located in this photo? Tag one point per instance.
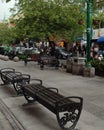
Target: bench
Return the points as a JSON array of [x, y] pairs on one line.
[[31, 55], [50, 61], [66, 109], [9, 75]]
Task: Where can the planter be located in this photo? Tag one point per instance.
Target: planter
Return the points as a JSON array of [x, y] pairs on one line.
[[89, 72], [77, 69], [99, 73], [99, 67]]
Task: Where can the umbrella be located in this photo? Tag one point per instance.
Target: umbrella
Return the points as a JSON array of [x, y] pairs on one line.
[[100, 39]]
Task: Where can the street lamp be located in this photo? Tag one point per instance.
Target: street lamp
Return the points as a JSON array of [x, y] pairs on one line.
[[89, 3], [88, 64]]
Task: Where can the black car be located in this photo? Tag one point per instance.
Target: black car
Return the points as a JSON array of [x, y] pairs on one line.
[[61, 53]]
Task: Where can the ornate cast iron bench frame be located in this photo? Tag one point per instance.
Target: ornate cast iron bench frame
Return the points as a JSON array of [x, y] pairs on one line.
[[9, 75], [67, 109]]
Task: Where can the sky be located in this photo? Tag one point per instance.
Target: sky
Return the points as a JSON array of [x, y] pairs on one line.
[[4, 9]]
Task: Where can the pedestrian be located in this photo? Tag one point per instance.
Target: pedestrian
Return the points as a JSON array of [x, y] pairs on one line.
[[96, 49]]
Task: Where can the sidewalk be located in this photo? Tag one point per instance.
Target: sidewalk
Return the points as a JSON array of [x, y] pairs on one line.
[[37, 117], [8, 121], [4, 124]]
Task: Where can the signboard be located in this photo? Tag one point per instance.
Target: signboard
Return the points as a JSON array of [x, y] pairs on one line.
[[96, 33]]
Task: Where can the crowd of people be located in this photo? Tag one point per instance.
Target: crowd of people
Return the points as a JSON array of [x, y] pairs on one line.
[[77, 49], [97, 50]]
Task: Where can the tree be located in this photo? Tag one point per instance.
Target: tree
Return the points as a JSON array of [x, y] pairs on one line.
[[41, 19], [7, 35]]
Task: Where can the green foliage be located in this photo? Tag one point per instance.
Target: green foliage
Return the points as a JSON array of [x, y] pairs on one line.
[[8, 0], [99, 65], [40, 19], [7, 34], [97, 4]]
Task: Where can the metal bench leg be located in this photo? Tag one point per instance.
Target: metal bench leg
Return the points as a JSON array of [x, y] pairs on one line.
[[68, 119], [28, 97], [68, 115], [18, 88], [4, 79]]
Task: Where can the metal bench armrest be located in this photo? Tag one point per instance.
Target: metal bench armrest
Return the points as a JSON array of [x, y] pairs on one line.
[[7, 70], [26, 76], [70, 98], [39, 80]]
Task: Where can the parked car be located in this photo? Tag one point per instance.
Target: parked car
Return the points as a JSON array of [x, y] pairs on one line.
[[61, 53]]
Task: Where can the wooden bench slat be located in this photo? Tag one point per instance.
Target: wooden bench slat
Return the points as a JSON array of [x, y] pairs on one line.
[[11, 75], [50, 95], [40, 95], [46, 91]]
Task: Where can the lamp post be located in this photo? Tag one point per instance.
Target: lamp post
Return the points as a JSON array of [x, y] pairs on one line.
[[88, 22], [88, 64]]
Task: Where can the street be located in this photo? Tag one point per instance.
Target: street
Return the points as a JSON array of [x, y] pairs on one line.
[[22, 116]]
